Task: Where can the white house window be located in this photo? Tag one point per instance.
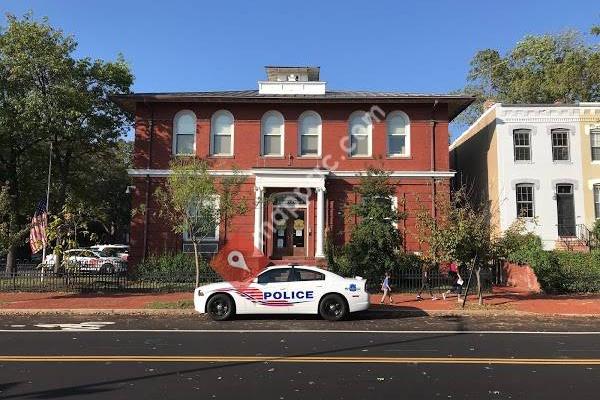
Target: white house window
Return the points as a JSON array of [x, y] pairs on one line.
[[309, 126], [398, 134], [221, 131], [184, 128], [560, 145], [525, 200], [272, 134], [597, 200], [595, 142], [209, 243], [361, 129], [522, 144]]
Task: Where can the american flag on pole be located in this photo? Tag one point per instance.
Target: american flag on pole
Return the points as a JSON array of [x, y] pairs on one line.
[[37, 234]]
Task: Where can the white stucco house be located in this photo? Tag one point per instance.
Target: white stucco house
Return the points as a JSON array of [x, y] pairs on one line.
[[528, 161]]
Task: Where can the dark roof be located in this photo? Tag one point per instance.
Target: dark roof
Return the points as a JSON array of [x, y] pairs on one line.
[[456, 103]]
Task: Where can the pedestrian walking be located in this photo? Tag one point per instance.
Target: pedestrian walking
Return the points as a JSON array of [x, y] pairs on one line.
[[426, 283], [387, 290], [457, 285]]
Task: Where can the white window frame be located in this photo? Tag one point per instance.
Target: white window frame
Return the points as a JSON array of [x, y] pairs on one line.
[[532, 186], [596, 199], [406, 134], [176, 134], [262, 134], [515, 146], [213, 133], [301, 133], [567, 132], [215, 238], [594, 131], [367, 116]]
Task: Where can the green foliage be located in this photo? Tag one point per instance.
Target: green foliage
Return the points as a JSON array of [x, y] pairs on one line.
[[49, 95], [596, 231], [194, 204], [556, 271], [375, 242], [539, 69], [168, 266], [460, 231]]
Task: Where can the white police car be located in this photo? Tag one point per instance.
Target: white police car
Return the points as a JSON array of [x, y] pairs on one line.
[[285, 290]]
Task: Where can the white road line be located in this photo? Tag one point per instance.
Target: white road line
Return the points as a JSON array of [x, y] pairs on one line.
[[282, 331]]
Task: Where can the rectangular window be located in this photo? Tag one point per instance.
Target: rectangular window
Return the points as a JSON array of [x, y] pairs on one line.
[[310, 144], [525, 200], [597, 200], [184, 144], [195, 212], [595, 142], [360, 145], [522, 144], [560, 145]]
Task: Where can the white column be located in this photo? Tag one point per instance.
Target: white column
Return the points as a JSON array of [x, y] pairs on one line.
[[258, 218], [320, 222]]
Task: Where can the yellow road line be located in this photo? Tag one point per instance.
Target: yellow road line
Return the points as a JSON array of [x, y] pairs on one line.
[[307, 359]]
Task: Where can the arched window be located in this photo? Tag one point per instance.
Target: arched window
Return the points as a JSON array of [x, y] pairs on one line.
[[309, 127], [360, 130], [272, 134], [398, 134], [221, 133], [184, 132]]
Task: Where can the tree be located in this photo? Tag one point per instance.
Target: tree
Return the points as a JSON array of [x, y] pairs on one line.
[[539, 69], [194, 203], [459, 232], [375, 242], [48, 95]]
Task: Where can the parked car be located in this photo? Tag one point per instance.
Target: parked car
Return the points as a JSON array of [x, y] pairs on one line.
[[285, 290], [88, 260], [113, 250]]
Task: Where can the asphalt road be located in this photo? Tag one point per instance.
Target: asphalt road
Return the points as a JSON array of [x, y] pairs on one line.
[[374, 356]]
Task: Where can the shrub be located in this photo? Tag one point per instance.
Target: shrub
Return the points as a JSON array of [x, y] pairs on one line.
[[169, 265], [567, 272]]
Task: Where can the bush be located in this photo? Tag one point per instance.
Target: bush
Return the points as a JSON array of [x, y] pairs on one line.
[[567, 272], [169, 265]]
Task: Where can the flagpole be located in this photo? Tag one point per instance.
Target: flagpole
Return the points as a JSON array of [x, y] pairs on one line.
[[47, 204]]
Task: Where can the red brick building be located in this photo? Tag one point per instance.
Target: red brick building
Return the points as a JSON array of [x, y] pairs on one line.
[[301, 146]]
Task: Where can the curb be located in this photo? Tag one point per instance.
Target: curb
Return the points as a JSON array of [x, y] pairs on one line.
[[192, 312]]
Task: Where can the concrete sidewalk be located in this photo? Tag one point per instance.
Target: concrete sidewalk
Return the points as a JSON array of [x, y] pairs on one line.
[[502, 300]]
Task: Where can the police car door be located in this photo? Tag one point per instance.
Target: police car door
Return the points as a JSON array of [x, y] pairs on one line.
[[308, 286], [274, 285]]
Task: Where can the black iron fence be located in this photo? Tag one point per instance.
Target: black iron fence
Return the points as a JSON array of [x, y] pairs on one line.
[[32, 278]]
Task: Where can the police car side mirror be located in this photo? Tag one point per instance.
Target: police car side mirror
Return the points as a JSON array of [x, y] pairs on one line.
[[255, 280]]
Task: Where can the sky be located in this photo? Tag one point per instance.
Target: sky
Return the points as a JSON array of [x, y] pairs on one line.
[[419, 46]]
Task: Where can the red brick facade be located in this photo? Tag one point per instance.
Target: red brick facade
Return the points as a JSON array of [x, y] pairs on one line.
[[413, 176]]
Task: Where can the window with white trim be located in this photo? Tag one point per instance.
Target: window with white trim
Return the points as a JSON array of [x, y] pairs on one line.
[[398, 134], [210, 242], [272, 133], [560, 144], [309, 126], [360, 131], [525, 200], [597, 201], [184, 133], [595, 143], [522, 144], [221, 132]]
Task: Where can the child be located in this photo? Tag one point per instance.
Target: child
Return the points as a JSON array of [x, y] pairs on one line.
[[385, 287], [458, 281]]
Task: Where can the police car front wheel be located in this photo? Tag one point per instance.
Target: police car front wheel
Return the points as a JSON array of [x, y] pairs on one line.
[[333, 307], [220, 307]]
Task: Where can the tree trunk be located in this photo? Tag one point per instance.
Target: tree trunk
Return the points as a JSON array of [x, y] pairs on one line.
[[479, 293], [11, 260], [197, 263]]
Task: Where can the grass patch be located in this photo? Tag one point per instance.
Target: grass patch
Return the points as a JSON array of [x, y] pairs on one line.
[[179, 304]]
